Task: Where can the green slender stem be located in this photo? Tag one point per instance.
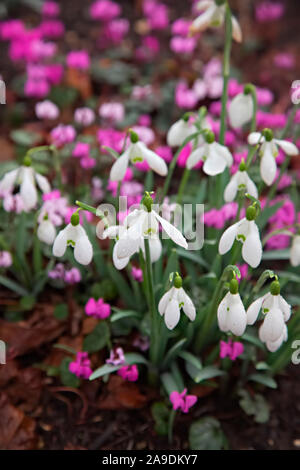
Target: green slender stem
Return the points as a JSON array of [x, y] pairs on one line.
[[171, 425], [254, 101], [182, 185], [118, 195], [152, 307], [226, 71], [94, 211]]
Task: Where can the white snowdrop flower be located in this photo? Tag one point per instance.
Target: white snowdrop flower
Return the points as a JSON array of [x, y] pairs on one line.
[[117, 231], [231, 311], [241, 108], [213, 15], [277, 311], [46, 231], [137, 151], [179, 131], [74, 235], [171, 303], [240, 180], [26, 177], [246, 232], [295, 251], [269, 151], [144, 223], [216, 157]]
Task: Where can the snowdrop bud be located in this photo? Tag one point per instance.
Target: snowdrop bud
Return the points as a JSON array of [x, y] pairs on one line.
[[251, 213], [133, 137], [268, 134], [275, 288], [209, 136]]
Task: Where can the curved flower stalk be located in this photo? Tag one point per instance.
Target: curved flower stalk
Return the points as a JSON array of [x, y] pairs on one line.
[[295, 251], [241, 108], [46, 231], [180, 130], [171, 303], [231, 311], [273, 332], [27, 178], [74, 235], [144, 223], [269, 151], [216, 157], [240, 181], [246, 232], [213, 15], [137, 151]]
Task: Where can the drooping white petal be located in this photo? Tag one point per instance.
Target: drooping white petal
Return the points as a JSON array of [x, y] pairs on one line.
[[196, 156], [187, 304], [119, 263], [222, 314], [253, 310], [119, 168], [240, 110], [164, 301], [43, 183], [227, 239], [268, 165], [8, 181], [252, 247], [178, 132], [28, 190], [60, 243], [295, 251], [172, 231], [231, 188], [288, 147], [236, 315], [155, 249], [172, 314], [275, 345], [155, 162], [285, 308], [273, 325], [83, 251], [223, 151], [203, 21], [251, 186], [236, 30], [255, 137], [46, 232], [215, 162]]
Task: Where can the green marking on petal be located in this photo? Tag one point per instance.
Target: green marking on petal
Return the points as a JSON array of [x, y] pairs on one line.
[[71, 242]]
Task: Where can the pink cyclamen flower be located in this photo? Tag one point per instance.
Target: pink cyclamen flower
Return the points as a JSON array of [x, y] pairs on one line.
[[87, 162], [113, 112], [58, 272], [116, 357], [81, 367], [115, 30], [137, 274], [164, 152], [52, 29], [84, 116], [269, 11], [182, 45], [104, 10], [36, 88], [50, 8], [46, 110], [97, 308], [72, 276], [232, 349], [284, 60], [78, 60], [81, 150], [182, 401], [243, 270], [130, 373], [185, 98], [181, 27], [62, 134], [5, 259]]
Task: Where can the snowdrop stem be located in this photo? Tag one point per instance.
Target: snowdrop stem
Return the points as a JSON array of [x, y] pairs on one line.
[[226, 71], [94, 211], [267, 274], [276, 232], [173, 164], [182, 185], [154, 343]]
